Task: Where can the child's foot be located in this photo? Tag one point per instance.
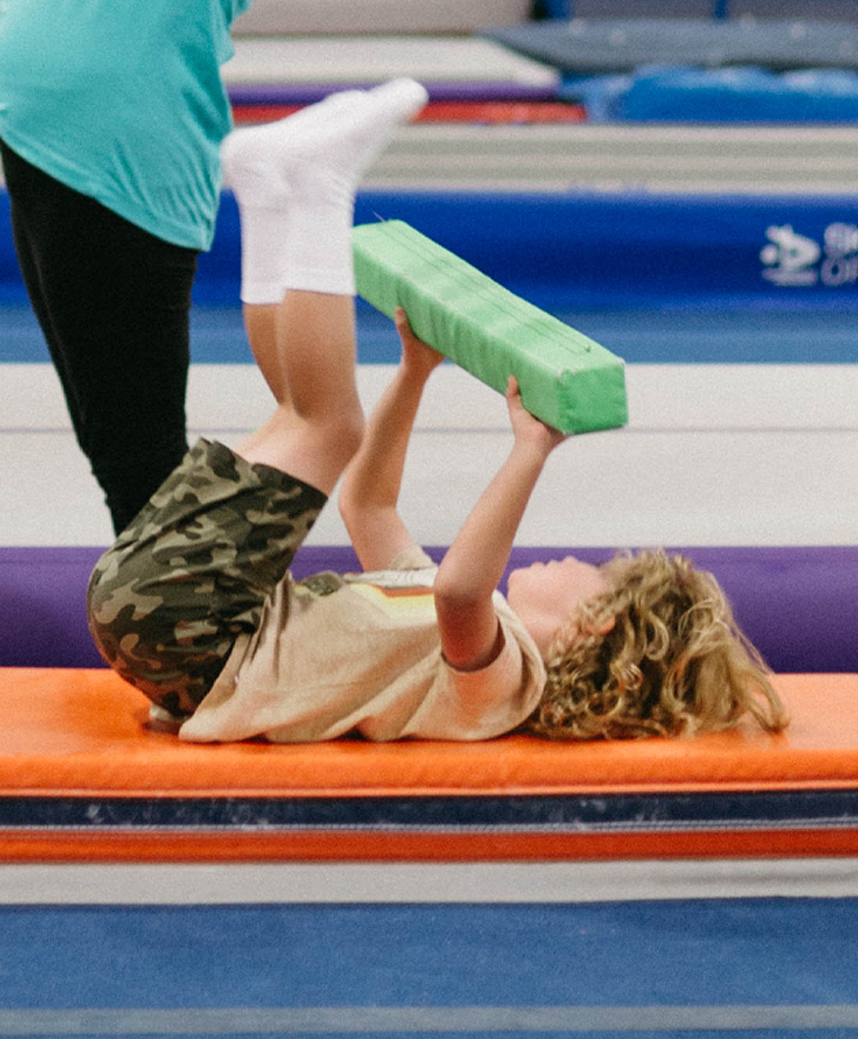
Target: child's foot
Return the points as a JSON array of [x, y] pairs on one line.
[[323, 148], [162, 720], [250, 156], [295, 183]]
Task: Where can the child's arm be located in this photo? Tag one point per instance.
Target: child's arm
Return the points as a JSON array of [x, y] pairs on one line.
[[474, 564], [371, 483]]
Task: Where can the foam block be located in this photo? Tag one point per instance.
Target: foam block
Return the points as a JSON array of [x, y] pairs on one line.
[[566, 379]]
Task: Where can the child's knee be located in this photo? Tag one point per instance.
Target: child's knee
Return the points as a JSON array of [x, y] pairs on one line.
[[140, 635], [342, 435], [115, 609], [352, 429]]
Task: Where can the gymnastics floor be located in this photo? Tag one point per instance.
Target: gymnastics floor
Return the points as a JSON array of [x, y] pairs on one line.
[[760, 968], [744, 422], [761, 949], [743, 431]]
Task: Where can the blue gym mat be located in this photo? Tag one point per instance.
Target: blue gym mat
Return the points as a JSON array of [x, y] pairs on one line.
[[655, 279], [756, 967], [736, 94], [640, 337]]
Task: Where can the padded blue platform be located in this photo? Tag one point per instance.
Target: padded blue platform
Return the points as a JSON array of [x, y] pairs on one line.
[[799, 605], [579, 46], [581, 250], [728, 95]]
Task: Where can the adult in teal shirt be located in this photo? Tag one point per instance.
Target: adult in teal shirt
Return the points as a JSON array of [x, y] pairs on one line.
[[111, 117]]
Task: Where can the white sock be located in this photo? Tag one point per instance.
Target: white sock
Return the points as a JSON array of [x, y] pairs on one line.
[[295, 182], [250, 169]]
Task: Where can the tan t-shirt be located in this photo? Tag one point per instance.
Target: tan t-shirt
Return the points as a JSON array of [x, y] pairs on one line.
[[361, 653]]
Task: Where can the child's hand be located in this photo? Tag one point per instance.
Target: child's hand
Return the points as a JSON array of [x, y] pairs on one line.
[[418, 358], [527, 428]]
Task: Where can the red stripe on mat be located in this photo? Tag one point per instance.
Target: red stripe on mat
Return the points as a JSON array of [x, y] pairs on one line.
[[347, 846], [504, 112]]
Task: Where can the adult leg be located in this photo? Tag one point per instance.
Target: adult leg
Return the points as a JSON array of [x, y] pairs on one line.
[[113, 303]]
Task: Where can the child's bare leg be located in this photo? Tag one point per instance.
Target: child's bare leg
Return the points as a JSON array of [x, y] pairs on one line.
[[260, 323], [295, 182], [318, 425]]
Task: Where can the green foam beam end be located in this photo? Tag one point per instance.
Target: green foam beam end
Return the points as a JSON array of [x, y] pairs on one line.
[[567, 380]]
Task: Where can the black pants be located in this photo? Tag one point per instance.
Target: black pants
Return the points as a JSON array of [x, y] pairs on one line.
[[114, 304]]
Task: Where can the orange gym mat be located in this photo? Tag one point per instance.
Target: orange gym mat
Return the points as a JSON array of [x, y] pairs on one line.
[[83, 777]]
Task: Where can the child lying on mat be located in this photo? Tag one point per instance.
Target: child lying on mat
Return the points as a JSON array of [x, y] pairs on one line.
[[195, 605]]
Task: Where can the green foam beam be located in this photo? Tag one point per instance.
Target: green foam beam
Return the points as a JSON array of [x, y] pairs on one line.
[[569, 381]]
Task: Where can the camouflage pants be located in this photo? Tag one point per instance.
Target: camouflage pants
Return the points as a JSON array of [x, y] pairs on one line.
[[192, 571]]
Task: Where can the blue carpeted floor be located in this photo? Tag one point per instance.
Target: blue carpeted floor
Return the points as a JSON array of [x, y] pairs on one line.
[[641, 337], [689, 968]]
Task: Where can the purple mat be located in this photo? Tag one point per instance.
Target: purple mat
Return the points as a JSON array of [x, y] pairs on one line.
[[798, 605], [458, 90]]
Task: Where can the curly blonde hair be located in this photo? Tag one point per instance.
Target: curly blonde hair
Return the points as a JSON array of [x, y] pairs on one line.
[[674, 662]]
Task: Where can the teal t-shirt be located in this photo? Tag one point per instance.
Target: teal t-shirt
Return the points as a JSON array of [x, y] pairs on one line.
[[123, 101]]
